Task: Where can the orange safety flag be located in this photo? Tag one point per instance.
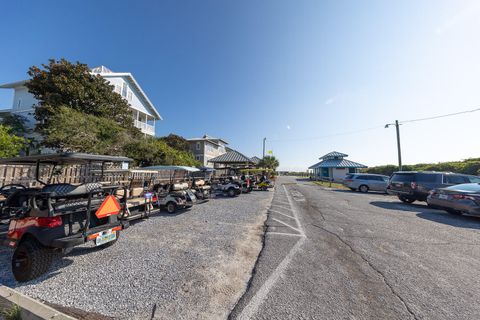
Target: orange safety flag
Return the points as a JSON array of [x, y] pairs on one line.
[[109, 207]]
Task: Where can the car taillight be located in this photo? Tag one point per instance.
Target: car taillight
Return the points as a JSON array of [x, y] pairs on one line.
[[463, 197], [49, 222], [414, 185]]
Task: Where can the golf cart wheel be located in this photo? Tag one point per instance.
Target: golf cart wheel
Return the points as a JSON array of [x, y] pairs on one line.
[[110, 243], [171, 207], [30, 260], [406, 199], [363, 188], [231, 192]]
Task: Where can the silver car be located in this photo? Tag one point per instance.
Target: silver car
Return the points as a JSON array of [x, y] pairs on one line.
[[365, 182]]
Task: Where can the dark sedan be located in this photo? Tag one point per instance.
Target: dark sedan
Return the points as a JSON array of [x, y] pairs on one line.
[[458, 199]]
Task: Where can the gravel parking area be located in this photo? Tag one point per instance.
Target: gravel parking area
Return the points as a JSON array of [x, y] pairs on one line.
[[194, 264]]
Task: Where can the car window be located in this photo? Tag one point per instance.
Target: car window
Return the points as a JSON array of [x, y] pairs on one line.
[[403, 177], [378, 178], [468, 187], [386, 179], [456, 179], [474, 179], [427, 178], [349, 176]]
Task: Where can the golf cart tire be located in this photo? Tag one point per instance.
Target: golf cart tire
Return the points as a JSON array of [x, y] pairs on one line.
[[171, 207], [110, 243], [38, 260], [231, 192]]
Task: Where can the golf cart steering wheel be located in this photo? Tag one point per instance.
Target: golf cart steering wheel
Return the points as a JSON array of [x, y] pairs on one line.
[[8, 189]]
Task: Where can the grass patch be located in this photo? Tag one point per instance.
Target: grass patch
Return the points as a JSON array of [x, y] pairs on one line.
[[334, 185], [14, 313]]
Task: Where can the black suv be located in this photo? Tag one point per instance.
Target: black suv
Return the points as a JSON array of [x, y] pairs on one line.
[[415, 185]]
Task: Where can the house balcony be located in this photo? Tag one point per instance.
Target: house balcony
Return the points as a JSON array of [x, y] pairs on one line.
[[145, 127]]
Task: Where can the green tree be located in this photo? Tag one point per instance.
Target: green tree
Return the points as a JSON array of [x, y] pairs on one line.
[[74, 131], [155, 151], [176, 142], [269, 162], [61, 83], [10, 144]]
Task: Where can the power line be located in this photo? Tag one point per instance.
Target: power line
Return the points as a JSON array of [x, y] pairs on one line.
[[441, 116], [374, 128]]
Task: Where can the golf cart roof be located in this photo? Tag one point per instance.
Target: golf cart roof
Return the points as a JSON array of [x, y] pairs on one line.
[[64, 158], [180, 168]]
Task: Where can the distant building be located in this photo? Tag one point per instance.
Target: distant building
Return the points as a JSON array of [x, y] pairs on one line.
[[143, 111], [334, 166], [207, 148]]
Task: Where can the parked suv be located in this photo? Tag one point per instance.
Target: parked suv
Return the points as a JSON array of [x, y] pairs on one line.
[[416, 185], [364, 182]]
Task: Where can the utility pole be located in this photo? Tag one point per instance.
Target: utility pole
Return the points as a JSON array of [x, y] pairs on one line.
[[264, 139], [397, 127]]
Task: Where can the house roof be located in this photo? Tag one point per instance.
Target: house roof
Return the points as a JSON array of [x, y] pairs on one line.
[[231, 157], [337, 163], [255, 159], [106, 73], [208, 138], [334, 154]]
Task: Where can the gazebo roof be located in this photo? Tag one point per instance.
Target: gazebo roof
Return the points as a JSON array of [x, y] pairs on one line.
[[255, 159], [231, 157], [337, 163], [334, 154]]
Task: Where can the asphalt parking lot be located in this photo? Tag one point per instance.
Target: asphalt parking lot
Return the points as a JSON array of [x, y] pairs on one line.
[[336, 254], [194, 264]]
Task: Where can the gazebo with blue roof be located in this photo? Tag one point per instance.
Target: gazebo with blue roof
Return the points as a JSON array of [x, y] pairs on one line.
[[334, 166]]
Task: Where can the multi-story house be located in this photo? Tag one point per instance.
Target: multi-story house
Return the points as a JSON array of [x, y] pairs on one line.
[[143, 111], [207, 148]]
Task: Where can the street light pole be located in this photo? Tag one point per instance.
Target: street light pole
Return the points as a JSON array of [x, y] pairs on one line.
[[264, 139], [397, 127]]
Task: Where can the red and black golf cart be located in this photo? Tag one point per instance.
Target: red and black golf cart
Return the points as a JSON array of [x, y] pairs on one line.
[[58, 216]]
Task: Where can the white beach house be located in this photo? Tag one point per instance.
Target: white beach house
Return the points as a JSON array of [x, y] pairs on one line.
[[143, 111]]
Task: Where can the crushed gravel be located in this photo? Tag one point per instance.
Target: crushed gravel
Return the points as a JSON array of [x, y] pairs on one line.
[[194, 264]]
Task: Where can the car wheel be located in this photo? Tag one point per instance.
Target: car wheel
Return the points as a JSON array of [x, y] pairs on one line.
[[171, 207], [30, 260], [406, 199], [110, 243], [454, 212], [231, 192], [363, 188]]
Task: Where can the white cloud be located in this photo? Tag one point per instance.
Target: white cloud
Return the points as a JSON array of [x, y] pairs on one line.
[[330, 100], [469, 12]]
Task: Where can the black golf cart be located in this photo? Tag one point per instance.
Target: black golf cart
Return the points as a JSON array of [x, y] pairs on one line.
[[57, 216]]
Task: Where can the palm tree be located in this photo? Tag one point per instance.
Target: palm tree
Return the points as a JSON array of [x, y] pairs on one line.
[[269, 162]]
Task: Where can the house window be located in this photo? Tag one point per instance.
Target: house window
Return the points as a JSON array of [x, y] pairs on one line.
[[198, 146], [129, 96], [124, 89], [197, 158]]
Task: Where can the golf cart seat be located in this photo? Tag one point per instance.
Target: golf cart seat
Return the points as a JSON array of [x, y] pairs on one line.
[[180, 186], [66, 189]]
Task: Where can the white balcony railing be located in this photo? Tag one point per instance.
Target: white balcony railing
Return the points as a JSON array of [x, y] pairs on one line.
[[145, 127]]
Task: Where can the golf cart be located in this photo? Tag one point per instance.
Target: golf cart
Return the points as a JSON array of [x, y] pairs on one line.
[[57, 216], [227, 186], [137, 191], [201, 180], [174, 193]]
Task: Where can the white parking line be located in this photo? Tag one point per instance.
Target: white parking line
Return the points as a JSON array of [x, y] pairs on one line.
[[286, 224], [256, 301], [276, 205], [283, 214], [285, 234]]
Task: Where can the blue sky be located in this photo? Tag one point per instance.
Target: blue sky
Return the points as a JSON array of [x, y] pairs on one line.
[[296, 72]]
